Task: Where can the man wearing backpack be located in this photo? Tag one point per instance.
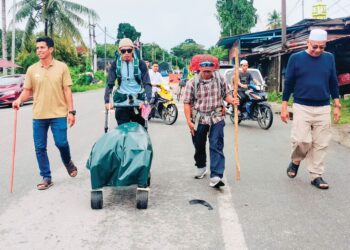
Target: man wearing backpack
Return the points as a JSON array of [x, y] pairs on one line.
[[203, 106], [133, 79]]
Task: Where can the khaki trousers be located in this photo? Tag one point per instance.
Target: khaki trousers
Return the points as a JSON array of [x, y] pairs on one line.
[[310, 136]]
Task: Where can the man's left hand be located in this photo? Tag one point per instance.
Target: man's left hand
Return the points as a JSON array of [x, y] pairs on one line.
[[336, 114], [71, 120], [235, 101]]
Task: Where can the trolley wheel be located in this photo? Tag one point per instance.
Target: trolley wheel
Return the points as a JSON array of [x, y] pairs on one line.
[[142, 198], [96, 199]]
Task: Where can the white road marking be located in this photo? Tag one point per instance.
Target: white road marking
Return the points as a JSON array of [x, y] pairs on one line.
[[231, 228]]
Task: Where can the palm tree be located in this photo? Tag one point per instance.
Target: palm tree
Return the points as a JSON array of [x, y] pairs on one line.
[[274, 20], [60, 17], [4, 36]]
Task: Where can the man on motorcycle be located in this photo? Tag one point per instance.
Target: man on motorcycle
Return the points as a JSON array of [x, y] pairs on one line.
[[244, 79], [203, 106], [133, 79], [156, 79]]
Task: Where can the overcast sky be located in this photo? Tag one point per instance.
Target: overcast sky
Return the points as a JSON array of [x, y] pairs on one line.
[[168, 23]]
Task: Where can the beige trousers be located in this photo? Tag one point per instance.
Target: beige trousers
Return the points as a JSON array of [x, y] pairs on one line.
[[311, 134]]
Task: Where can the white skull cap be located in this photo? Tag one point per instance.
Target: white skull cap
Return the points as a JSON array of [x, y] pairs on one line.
[[244, 62], [318, 35]]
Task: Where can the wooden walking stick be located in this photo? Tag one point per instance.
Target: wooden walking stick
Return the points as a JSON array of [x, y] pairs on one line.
[[13, 151], [235, 95]]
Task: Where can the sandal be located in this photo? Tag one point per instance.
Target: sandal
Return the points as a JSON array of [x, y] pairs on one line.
[[292, 170], [319, 183], [71, 169], [45, 184]]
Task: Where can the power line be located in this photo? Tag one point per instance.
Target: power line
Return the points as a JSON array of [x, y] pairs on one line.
[[295, 6], [105, 32]]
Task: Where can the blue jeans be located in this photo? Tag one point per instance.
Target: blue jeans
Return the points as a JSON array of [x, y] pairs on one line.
[[59, 132], [216, 147]]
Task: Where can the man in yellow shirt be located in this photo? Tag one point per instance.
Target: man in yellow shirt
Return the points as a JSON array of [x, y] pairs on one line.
[[49, 82]]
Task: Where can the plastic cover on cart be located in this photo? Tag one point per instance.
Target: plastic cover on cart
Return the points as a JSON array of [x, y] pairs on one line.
[[121, 157]]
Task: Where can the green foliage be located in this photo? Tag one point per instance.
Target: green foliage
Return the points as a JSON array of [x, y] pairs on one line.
[[128, 31], [83, 88], [25, 59], [274, 20], [345, 111], [274, 97], [187, 49], [110, 50], [18, 42], [65, 51], [219, 52], [60, 17], [235, 17], [154, 53]]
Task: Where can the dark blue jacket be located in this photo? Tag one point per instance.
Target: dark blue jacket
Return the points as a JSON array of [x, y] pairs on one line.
[[312, 80]]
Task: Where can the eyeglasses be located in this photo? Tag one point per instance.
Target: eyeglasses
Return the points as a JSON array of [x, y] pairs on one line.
[[206, 64], [123, 51], [321, 47]]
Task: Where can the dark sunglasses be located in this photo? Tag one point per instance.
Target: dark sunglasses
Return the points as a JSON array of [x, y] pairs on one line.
[[123, 51], [321, 47], [206, 64]]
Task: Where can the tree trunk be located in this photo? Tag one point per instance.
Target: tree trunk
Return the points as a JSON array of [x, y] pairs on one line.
[[46, 31], [4, 36]]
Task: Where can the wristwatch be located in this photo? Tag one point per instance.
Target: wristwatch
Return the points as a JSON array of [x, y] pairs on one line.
[[73, 112]]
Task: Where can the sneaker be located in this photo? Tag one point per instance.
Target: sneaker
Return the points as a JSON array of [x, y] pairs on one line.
[[216, 182], [201, 172]]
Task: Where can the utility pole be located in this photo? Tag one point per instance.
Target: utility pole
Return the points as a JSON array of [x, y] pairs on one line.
[[302, 9], [4, 35], [105, 49], [90, 43], [94, 48], [284, 26], [13, 51]]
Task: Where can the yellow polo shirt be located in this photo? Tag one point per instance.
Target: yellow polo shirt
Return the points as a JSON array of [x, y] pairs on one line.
[[47, 86]]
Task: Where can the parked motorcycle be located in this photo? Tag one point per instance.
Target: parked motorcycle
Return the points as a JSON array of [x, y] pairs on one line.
[[164, 106], [255, 109]]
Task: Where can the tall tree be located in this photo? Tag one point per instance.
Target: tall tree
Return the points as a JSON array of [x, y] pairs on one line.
[[187, 49], [60, 17], [235, 16], [154, 53], [219, 52], [274, 20], [128, 31], [4, 36]]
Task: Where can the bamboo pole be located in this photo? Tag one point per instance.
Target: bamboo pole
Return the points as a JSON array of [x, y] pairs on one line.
[[235, 95], [13, 151]]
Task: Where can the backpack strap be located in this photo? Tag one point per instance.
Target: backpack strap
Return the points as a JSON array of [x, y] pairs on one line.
[[136, 65], [196, 83]]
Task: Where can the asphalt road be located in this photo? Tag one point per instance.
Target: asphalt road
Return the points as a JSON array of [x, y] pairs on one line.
[[264, 210]]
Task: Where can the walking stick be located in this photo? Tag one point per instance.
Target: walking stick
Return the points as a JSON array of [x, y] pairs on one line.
[[235, 95], [13, 151], [106, 119], [107, 116]]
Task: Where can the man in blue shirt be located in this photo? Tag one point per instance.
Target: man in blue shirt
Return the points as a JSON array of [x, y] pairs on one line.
[[133, 79], [311, 77]]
